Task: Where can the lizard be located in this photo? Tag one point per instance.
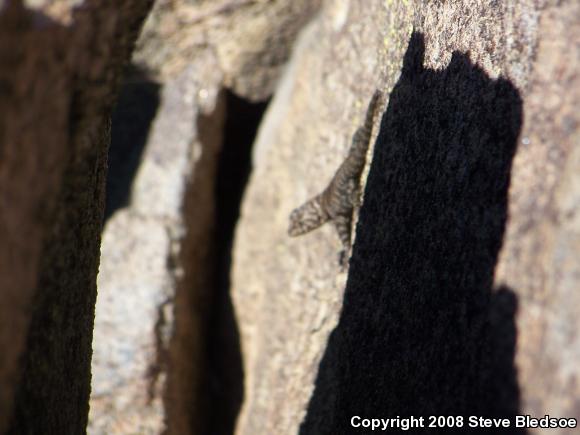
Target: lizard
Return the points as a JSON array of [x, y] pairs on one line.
[[341, 197]]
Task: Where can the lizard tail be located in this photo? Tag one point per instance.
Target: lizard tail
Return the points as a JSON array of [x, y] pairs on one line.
[[376, 100], [361, 138]]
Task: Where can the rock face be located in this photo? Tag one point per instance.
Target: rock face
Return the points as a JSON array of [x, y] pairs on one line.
[[166, 352], [461, 288], [58, 77], [250, 39], [539, 259], [143, 240], [461, 297]]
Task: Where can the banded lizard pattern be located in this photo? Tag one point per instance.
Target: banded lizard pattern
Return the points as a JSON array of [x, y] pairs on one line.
[[338, 201]]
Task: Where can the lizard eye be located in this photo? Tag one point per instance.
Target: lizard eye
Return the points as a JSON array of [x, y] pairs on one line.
[[294, 216], [295, 225]]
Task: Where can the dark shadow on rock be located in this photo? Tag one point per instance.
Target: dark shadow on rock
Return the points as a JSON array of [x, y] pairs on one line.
[[52, 395], [422, 332], [225, 370], [131, 121], [501, 381]]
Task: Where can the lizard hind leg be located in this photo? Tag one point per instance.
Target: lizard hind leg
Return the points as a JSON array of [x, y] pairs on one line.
[[342, 223]]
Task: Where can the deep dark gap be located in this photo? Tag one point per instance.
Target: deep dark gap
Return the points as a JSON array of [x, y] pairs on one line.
[[131, 121], [225, 370]]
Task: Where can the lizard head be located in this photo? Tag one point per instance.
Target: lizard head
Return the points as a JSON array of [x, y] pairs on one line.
[[306, 218]]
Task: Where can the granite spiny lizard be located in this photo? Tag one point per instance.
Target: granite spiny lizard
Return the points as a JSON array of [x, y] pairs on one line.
[[337, 202]]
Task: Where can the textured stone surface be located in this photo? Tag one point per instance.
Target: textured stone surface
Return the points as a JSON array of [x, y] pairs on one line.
[[542, 244], [142, 266], [57, 85], [58, 10], [251, 39], [166, 355], [461, 289], [288, 297]]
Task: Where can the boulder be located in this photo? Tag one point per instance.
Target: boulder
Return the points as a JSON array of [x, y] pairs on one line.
[[459, 299]]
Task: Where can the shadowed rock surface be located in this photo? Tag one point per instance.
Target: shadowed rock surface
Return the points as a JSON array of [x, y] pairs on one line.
[[413, 338], [58, 78]]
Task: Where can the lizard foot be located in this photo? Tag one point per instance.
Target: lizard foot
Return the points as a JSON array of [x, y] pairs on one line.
[[343, 260]]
